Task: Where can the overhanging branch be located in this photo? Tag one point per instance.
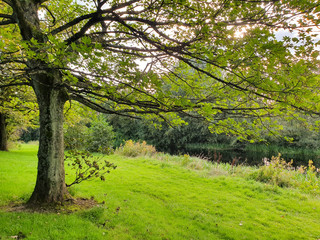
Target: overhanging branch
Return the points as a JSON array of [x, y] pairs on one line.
[[97, 107], [14, 84], [7, 2]]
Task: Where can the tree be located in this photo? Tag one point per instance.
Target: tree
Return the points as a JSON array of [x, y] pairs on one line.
[[115, 56], [17, 112], [3, 133], [173, 140], [17, 107]]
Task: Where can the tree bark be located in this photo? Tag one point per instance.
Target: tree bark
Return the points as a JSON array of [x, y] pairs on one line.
[[47, 84], [50, 186], [3, 133]]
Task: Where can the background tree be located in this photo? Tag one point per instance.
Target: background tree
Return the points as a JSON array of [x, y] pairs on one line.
[[115, 57], [18, 111], [166, 138], [17, 102]]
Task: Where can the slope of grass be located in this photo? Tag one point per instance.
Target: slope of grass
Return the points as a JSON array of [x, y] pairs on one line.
[[159, 199]]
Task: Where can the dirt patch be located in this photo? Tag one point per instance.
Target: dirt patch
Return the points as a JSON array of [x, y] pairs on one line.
[[68, 206]]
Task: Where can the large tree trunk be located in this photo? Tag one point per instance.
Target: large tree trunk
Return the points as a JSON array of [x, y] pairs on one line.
[[51, 96], [3, 133], [50, 186]]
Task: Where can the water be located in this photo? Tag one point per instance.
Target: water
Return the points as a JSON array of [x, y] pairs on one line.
[[254, 158]]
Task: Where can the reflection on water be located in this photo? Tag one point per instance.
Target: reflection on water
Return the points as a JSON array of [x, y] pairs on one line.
[[254, 158]]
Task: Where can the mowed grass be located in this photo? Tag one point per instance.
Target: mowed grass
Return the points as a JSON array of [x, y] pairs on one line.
[[148, 198]]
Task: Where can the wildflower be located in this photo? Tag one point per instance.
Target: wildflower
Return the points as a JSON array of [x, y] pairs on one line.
[[266, 161]]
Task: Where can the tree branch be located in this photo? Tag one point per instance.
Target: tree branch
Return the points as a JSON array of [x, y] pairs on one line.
[[2, 23], [8, 2], [73, 22], [51, 14], [15, 84], [11, 19], [6, 16], [91, 16], [81, 99]]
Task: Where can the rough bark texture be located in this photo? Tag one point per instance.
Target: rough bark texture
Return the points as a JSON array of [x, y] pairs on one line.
[[50, 186], [3, 133], [51, 96]]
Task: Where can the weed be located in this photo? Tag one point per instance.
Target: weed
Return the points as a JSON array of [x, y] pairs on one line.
[[185, 160], [281, 173], [276, 171], [217, 157], [309, 180], [197, 165]]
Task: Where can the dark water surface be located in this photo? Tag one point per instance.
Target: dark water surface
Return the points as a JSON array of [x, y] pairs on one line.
[[254, 158]]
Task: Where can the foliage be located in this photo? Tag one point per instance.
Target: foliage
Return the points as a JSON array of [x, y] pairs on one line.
[[76, 136], [309, 178], [165, 138], [218, 60], [86, 166], [281, 173], [30, 134], [132, 58], [135, 149], [17, 103], [20, 111], [194, 138], [277, 172], [98, 137], [300, 131]]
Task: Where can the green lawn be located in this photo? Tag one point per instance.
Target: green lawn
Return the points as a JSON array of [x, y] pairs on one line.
[[158, 199]]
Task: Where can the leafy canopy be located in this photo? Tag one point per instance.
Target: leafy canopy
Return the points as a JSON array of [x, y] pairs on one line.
[[218, 60]]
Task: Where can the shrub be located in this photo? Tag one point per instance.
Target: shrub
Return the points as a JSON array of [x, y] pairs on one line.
[[100, 137], [277, 172], [308, 178], [134, 149], [75, 136]]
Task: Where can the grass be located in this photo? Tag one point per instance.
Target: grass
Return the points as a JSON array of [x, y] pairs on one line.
[[160, 198]]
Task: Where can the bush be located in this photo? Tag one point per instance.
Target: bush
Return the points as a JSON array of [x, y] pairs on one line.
[[308, 178], [276, 171], [281, 173], [135, 149], [100, 137], [75, 136]]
